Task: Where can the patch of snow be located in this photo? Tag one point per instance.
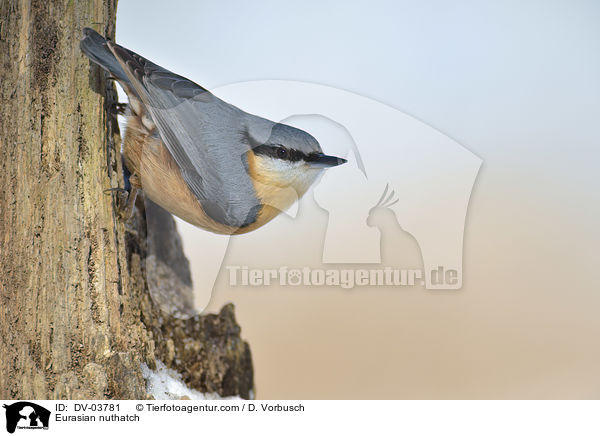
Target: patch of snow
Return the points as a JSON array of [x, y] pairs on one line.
[[167, 384]]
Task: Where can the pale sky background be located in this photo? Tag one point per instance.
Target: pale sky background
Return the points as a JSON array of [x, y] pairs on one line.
[[516, 83]]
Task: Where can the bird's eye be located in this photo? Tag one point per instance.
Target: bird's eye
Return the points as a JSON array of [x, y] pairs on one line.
[[282, 153]]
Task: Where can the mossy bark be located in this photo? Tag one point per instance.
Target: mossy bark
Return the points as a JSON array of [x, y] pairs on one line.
[[76, 317]]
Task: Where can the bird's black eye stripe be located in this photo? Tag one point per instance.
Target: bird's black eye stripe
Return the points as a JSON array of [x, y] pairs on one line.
[[278, 151], [312, 156]]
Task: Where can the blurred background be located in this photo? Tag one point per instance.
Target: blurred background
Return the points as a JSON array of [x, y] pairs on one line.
[[518, 85]]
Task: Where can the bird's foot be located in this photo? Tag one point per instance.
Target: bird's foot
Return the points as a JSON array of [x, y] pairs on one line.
[[119, 108], [126, 199]]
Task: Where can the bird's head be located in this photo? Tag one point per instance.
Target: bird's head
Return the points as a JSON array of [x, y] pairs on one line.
[[289, 158]]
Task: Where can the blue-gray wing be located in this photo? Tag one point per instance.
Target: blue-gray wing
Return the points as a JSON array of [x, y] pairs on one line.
[[206, 136]]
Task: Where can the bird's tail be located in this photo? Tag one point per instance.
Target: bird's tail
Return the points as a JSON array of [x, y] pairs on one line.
[[95, 47]]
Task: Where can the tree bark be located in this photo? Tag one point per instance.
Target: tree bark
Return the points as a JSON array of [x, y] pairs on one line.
[[77, 318]]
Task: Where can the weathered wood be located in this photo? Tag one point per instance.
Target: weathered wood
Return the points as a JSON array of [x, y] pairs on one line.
[[76, 316]]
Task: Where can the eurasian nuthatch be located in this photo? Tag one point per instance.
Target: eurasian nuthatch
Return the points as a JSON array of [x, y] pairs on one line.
[[200, 158]]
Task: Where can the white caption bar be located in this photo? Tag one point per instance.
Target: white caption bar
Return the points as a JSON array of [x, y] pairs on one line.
[[302, 417]]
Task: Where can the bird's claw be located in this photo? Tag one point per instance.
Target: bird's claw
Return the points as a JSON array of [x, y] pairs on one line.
[[119, 108], [125, 202]]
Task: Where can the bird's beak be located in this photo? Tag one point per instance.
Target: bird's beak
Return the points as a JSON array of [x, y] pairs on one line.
[[324, 161]]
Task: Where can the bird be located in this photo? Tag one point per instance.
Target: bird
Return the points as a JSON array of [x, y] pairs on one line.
[[200, 158]]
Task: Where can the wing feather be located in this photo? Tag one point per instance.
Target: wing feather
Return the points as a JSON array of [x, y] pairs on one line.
[[206, 136]]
